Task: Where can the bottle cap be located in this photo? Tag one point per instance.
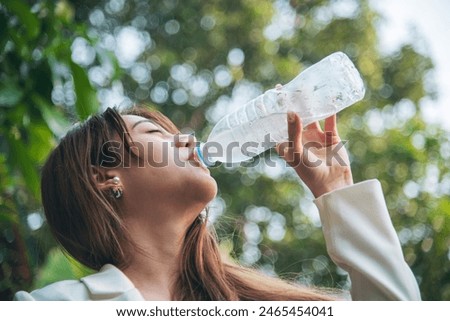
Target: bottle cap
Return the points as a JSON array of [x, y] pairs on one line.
[[201, 157]]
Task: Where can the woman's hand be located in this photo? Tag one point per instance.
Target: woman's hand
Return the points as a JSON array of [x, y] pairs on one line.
[[319, 157]]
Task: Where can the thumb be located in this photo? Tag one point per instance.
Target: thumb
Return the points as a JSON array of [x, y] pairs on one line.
[[292, 150]]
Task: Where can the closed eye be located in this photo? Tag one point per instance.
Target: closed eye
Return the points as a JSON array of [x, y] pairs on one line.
[[154, 131]]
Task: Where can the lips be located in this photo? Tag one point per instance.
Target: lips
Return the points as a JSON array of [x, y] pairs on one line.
[[193, 158]]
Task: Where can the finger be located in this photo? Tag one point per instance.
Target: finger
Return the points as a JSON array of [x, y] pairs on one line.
[[331, 125], [297, 134], [288, 154], [282, 149], [315, 126], [331, 132], [313, 133], [292, 148], [294, 130]]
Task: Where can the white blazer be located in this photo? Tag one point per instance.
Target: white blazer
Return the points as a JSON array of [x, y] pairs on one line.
[[359, 236]]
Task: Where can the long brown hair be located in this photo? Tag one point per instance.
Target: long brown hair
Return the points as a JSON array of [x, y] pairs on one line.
[[87, 222]]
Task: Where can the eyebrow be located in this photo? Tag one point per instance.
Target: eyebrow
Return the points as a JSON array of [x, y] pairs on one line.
[[143, 121]]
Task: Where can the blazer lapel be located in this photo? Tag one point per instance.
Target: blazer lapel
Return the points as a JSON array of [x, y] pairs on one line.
[[111, 284]]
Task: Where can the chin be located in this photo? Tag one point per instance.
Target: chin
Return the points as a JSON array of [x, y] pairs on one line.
[[214, 194], [201, 194], [200, 186], [209, 190]]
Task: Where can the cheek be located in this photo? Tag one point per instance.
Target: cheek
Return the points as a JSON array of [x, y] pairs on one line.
[[157, 155], [186, 182], [163, 155], [162, 173], [200, 186], [154, 153], [174, 187]]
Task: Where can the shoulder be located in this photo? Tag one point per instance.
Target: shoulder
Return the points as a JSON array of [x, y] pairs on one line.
[[59, 291], [108, 284]]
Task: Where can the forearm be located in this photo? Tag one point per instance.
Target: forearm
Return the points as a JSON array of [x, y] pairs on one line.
[[360, 238]]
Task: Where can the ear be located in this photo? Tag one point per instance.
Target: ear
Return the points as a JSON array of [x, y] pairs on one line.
[[107, 179]]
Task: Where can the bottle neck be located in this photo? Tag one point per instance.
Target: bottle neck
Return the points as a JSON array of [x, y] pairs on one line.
[[201, 155]]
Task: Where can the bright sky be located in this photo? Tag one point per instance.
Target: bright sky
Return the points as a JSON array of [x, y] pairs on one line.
[[429, 19]]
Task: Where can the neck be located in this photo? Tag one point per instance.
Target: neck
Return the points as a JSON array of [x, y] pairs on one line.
[[154, 266], [159, 236]]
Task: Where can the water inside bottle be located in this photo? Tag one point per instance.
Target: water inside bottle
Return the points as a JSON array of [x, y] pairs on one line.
[[316, 93], [229, 146]]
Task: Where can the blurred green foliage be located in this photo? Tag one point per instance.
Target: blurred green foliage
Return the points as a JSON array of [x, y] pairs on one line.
[[60, 61]]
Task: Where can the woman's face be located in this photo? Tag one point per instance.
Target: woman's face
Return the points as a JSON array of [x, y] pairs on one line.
[[167, 176]]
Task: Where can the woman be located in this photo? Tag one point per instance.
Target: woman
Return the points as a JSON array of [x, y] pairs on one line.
[[122, 193]]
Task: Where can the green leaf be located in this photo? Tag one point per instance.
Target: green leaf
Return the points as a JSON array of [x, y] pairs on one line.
[[87, 103], [10, 95], [40, 141], [54, 118], [19, 157], [28, 19]]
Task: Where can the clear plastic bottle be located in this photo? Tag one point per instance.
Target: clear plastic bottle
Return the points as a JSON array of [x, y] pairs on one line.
[[319, 91]]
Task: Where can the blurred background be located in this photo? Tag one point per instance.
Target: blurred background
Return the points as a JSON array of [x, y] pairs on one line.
[[196, 61]]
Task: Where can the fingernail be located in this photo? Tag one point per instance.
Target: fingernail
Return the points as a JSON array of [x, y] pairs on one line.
[[291, 117]]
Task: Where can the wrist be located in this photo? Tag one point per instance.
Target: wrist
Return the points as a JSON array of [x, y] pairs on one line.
[[332, 186]]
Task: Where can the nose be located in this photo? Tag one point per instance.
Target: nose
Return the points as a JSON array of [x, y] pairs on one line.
[[185, 140]]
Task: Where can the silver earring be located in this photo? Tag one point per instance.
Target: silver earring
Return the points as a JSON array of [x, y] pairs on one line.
[[203, 216], [116, 191]]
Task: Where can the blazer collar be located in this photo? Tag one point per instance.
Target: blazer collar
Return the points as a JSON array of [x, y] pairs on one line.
[[111, 284]]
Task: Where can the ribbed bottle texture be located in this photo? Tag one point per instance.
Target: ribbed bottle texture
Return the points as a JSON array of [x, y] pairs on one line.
[[319, 91]]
